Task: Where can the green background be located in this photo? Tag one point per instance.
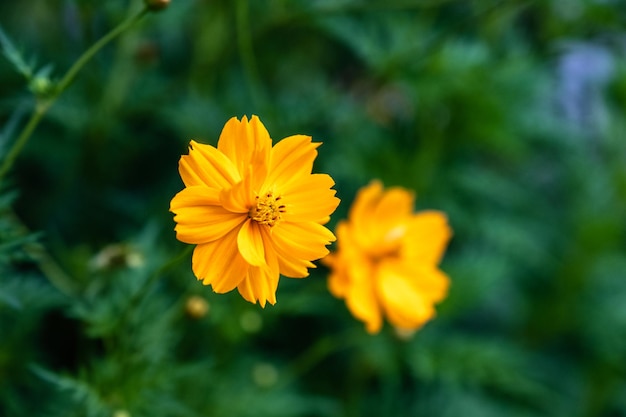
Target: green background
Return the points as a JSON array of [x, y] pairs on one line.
[[509, 116]]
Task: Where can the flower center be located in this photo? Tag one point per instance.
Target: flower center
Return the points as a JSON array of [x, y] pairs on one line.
[[268, 209], [388, 245]]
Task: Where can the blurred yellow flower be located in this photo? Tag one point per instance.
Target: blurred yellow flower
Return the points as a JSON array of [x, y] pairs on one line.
[[387, 257], [253, 210]]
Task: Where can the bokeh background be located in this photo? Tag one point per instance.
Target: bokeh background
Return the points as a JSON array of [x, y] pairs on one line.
[[507, 115]]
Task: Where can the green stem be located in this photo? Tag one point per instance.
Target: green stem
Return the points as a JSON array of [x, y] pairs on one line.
[[43, 105], [40, 110], [89, 53]]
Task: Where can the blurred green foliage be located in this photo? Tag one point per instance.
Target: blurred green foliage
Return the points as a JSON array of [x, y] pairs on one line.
[[507, 115]]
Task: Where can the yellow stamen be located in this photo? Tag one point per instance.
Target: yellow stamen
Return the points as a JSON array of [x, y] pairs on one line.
[[268, 209]]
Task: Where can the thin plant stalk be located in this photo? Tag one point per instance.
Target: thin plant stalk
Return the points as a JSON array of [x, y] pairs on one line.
[[43, 104]]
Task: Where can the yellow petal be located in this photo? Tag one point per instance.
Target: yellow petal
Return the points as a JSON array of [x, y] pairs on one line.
[[290, 265], [339, 278], [344, 238], [365, 202], [205, 165], [271, 257], [361, 297], [338, 282], [290, 159], [195, 196], [197, 233], [199, 219], [259, 285], [352, 277], [250, 243], [365, 229], [306, 240], [390, 216], [427, 236], [379, 217], [191, 171], [394, 205], [433, 283], [246, 143], [294, 268], [309, 199], [220, 167], [400, 296], [278, 260], [340, 261], [219, 263], [261, 282], [239, 198]]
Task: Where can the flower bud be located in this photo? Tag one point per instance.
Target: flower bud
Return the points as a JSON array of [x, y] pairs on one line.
[[41, 86], [196, 307]]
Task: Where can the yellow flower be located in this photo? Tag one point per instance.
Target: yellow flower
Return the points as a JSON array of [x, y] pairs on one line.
[[253, 210], [386, 259]]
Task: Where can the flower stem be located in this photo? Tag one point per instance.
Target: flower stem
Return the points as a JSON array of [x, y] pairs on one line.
[[89, 53], [43, 104], [40, 110]]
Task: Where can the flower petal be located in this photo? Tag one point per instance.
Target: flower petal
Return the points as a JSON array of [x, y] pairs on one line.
[[364, 227], [250, 243], [309, 199], [338, 281], [219, 263], [260, 285], [290, 265], [426, 238], [352, 277], [205, 165], [392, 213], [294, 268], [305, 240], [394, 206], [198, 216], [361, 297], [271, 258], [239, 198], [191, 171], [340, 261], [365, 202], [246, 143], [379, 217], [195, 196], [433, 283], [290, 159], [407, 298]]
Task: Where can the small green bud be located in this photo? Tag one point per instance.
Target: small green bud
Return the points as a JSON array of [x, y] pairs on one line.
[[156, 5], [40, 86]]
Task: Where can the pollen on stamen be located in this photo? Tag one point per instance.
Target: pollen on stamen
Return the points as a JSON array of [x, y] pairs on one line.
[[267, 211]]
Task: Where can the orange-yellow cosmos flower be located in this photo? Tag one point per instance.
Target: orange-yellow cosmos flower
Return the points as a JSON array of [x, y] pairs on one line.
[[253, 210], [386, 259]]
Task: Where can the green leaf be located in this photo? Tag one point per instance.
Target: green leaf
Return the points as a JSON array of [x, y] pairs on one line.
[[14, 56]]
